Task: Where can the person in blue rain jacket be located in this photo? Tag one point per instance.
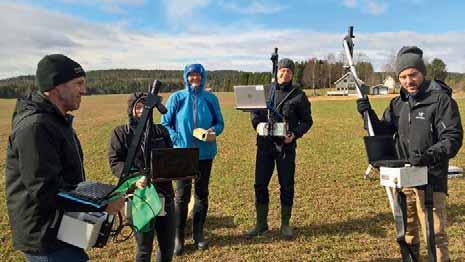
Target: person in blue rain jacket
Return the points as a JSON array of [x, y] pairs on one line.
[[188, 109]]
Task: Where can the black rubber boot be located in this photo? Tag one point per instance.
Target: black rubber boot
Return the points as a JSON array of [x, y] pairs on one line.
[[286, 230], [180, 213], [262, 221], [415, 249], [200, 241], [198, 222]]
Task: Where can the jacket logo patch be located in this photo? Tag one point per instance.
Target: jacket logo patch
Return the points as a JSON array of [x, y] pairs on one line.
[[421, 115]]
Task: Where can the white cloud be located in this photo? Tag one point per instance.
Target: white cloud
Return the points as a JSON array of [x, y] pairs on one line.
[[253, 7], [182, 8], [26, 39], [107, 2], [108, 6], [350, 3], [376, 7], [184, 14], [415, 2], [373, 7]]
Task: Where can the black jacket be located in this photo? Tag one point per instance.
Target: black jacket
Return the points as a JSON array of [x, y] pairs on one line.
[[292, 106], [43, 156], [428, 121], [120, 141]]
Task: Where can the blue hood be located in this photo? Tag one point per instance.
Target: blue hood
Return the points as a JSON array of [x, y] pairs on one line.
[[193, 108], [195, 68]]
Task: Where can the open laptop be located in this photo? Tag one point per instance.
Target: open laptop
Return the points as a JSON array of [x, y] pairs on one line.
[[167, 164], [381, 151], [175, 163], [90, 193], [98, 194], [250, 97]]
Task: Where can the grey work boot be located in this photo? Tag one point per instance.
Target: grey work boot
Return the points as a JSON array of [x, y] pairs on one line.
[[286, 230], [262, 221]]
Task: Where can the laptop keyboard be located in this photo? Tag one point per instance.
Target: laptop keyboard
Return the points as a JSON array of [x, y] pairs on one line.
[[93, 191]]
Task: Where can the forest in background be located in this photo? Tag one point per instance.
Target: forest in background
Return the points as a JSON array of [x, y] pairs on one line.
[[311, 74]]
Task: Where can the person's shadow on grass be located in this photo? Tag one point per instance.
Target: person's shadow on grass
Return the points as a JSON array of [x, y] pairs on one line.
[[374, 225], [227, 222]]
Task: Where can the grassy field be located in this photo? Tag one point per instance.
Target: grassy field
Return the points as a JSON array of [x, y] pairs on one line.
[[338, 216]]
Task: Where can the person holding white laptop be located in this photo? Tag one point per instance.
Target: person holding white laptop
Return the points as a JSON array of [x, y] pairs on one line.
[[288, 105]]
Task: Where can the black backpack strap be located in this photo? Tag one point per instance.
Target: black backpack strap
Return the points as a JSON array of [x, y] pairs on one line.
[[285, 98]]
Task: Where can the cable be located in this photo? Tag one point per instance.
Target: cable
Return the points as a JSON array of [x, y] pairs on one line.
[[118, 231]]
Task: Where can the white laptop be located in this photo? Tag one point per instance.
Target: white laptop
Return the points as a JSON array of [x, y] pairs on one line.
[[250, 97]]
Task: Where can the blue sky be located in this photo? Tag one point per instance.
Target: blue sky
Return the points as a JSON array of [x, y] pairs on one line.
[[222, 34]]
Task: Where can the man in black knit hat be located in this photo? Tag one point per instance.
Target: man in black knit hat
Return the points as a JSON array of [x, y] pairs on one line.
[[290, 105], [44, 156], [426, 125]]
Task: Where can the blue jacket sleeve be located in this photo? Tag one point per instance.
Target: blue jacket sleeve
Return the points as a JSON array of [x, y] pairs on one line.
[[168, 120], [219, 125]]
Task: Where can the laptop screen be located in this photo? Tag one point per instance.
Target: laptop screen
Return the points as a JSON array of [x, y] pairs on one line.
[[250, 97], [175, 163], [380, 148]]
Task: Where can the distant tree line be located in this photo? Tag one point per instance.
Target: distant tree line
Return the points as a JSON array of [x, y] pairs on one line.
[[309, 74]]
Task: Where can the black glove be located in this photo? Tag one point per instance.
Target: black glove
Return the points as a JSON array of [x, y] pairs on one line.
[[363, 105], [422, 159]]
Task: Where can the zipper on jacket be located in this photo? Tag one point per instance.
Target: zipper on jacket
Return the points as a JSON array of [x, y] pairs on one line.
[[194, 142], [195, 110], [407, 154]]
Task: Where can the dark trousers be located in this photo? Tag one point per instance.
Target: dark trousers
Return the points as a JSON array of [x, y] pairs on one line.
[[264, 166], [67, 253], [183, 196], [164, 227]]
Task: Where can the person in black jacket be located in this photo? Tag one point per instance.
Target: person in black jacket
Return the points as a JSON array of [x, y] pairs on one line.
[[427, 128], [120, 142], [44, 156], [289, 104]]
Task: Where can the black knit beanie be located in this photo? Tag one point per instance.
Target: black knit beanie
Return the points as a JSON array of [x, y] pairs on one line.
[[408, 57], [56, 69], [286, 63]]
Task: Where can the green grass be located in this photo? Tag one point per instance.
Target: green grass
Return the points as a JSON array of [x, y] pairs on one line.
[[338, 215]]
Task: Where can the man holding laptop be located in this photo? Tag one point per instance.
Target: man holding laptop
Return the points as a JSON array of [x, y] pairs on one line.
[[44, 156], [425, 122], [289, 105]]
